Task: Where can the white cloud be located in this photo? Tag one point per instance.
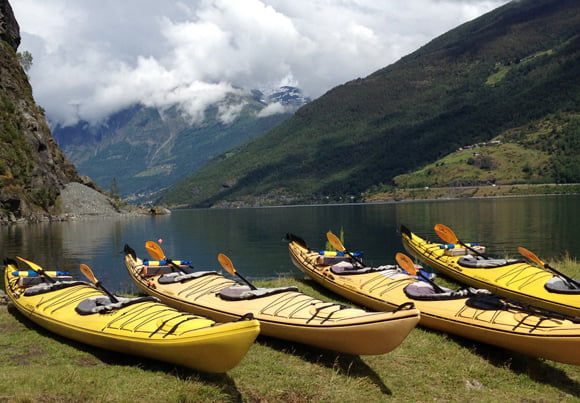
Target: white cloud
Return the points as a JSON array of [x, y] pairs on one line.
[[94, 58], [273, 109]]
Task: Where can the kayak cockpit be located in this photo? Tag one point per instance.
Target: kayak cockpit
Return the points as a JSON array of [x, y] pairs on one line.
[[346, 267], [183, 277], [103, 304], [423, 291], [43, 288], [242, 292], [478, 262], [559, 285]]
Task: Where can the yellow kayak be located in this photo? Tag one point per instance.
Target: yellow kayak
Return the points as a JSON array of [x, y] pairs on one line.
[[471, 313], [283, 312], [138, 326], [512, 278]]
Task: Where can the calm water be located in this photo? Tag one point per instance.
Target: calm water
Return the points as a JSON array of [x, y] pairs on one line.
[[252, 238]]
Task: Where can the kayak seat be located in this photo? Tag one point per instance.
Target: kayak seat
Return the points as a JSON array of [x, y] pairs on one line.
[[350, 268], [241, 292], [560, 286], [149, 271], [181, 277], [30, 281], [48, 287], [477, 262], [423, 291], [103, 304], [332, 260]]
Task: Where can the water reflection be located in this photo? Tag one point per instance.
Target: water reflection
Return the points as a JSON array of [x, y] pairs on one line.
[[252, 238]]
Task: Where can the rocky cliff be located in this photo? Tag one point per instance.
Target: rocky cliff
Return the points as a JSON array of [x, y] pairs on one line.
[[33, 169]]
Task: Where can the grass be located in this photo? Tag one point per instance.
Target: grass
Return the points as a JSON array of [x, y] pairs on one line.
[[36, 365]]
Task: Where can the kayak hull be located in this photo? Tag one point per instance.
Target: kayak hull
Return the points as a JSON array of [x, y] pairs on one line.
[[146, 328], [286, 314], [384, 289], [519, 280]]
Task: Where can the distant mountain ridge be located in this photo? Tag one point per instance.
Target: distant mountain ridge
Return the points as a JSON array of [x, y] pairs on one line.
[[514, 66], [141, 150]]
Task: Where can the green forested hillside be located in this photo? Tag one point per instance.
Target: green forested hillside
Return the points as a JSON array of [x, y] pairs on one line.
[[539, 152], [513, 67]]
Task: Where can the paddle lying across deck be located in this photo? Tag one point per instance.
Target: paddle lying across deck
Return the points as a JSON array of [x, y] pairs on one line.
[[156, 252], [86, 270], [38, 269], [532, 256], [407, 265], [447, 234], [229, 267]]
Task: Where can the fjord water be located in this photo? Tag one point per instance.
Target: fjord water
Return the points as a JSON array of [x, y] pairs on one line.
[[253, 237]]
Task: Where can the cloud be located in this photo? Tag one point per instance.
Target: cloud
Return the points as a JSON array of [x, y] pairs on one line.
[[93, 58]]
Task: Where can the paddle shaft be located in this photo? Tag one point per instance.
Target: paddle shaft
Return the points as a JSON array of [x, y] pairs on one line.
[[338, 245], [532, 256], [228, 266], [157, 253], [406, 263], [37, 269], [86, 270], [569, 280], [449, 236]]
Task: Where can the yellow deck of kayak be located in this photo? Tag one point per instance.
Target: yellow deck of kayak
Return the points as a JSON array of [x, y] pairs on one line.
[[286, 313], [519, 280], [142, 327], [384, 289]]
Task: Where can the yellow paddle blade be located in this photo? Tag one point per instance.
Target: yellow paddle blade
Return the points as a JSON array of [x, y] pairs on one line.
[[226, 263], [33, 266], [530, 255], [335, 242], [405, 262], [446, 233], [155, 250], [86, 270]]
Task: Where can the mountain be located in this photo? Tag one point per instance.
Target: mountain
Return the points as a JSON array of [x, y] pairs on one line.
[[514, 66], [141, 150], [33, 170]]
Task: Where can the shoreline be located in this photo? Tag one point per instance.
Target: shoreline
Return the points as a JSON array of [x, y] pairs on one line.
[[78, 201], [474, 192]]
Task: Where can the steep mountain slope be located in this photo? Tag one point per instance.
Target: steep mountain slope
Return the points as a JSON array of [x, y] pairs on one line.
[[142, 150], [514, 65], [33, 170]]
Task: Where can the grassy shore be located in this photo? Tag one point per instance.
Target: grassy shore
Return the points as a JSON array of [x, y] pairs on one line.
[[466, 192], [429, 366]]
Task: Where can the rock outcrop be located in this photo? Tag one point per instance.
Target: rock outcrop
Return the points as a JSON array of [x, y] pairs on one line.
[[33, 169]]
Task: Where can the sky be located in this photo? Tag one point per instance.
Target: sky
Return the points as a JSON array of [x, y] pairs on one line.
[[92, 58]]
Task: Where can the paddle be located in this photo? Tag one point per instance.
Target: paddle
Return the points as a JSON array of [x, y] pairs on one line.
[[157, 253], [37, 269], [86, 270], [449, 236], [337, 244], [228, 266], [532, 256], [405, 262]]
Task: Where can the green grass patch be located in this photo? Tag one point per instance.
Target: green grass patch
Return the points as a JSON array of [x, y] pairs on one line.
[[36, 365]]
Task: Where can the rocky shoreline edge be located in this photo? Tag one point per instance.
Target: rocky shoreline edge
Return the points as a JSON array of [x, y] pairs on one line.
[[78, 201]]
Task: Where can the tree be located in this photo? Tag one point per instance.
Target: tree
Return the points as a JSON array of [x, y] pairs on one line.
[[115, 188], [25, 60]]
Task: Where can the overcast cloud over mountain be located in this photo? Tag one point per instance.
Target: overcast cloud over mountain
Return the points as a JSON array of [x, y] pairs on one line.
[[92, 58]]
